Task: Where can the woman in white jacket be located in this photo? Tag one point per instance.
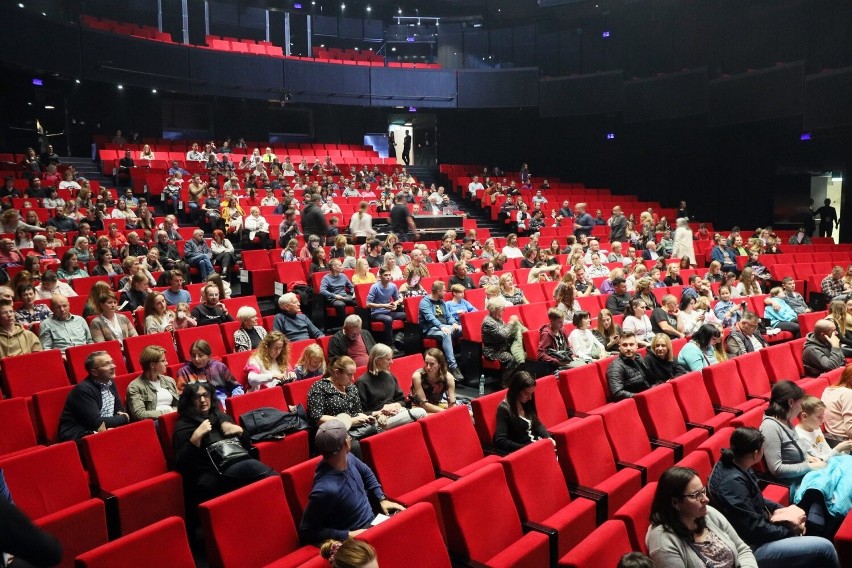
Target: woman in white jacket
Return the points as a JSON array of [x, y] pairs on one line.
[[361, 224], [683, 246], [257, 229]]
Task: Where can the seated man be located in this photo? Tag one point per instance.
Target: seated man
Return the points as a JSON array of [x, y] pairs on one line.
[[821, 352], [461, 276], [212, 311], [793, 298], [438, 322], [743, 337], [169, 254], [626, 374], [293, 324], [619, 300], [198, 254], [337, 289], [344, 493], [176, 294], [834, 287], [352, 340], [93, 405], [14, 339], [666, 318], [384, 303], [63, 329], [725, 256]]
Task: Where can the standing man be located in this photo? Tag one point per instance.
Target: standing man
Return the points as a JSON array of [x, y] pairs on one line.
[[406, 148], [583, 222], [313, 219], [402, 223], [617, 226], [827, 218], [93, 405]]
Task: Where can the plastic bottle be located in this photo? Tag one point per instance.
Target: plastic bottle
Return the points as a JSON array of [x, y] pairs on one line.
[[482, 384]]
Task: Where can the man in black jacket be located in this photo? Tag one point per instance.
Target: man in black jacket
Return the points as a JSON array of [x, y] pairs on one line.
[[626, 375], [352, 341], [93, 405], [313, 219]]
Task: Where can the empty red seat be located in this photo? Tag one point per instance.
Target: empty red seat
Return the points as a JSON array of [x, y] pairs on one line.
[[142, 488], [464, 454], [136, 549], [18, 433], [419, 519], [548, 402], [48, 406], [664, 420], [635, 516], [780, 363], [532, 469], [725, 387], [604, 547], [298, 481], [483, 524], [51, 487], [258, 515], [485, 416], [694, 402], [20, 380], [582, 389]]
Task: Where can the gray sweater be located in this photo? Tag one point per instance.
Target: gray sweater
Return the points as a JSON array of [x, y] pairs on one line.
[[668, 549], [818, 357], [785, 458]]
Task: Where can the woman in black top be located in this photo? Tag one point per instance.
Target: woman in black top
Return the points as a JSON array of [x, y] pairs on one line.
[[660, 363], [380, 394], [517, 422]]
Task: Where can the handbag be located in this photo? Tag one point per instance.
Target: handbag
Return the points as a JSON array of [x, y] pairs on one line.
[[363, 431], [225, 453]]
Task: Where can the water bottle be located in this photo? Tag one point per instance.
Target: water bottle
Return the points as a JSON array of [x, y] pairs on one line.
[[482, 384]]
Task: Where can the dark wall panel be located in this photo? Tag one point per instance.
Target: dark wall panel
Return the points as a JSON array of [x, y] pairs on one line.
[[759, 95], [680, 94], [120, 59], [827, 97], [413, 87], [495, 89], [582, 95], [235, 75], [327, 83], [41, 44]]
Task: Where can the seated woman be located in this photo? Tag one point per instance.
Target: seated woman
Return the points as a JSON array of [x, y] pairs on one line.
[[201, 367], [223, 252], [700, 352], [318, 262], [643, 292], [110, 325], [105, 266], [659, 362], [70, 267], [638, 322], [269, 366], [692, 319], [733, 488], [362, 272], [498, 337], [290, 252], [350, 553], [202, 424], [250, 334], [838, 411], [553, 346], [311, 363], [30, 312], [335, 397], [433, 388], [412, 286], [749, 284], [512, 293], [153, 393], [458, 304], [389, 262], [380, 394], [134, 298], [517, 422], [257, 229], [686, 531], [837, 314], [585, 346], [488, 277], [607, 332], [158, 316]]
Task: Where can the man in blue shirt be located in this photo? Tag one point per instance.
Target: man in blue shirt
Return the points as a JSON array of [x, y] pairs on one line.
[[337, 289], [198, 254], [583, 222], [384, 302], [438, 322], [339, 506], [176, 294]]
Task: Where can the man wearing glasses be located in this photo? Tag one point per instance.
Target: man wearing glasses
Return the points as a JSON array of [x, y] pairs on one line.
[[93, 405], [743, 338]]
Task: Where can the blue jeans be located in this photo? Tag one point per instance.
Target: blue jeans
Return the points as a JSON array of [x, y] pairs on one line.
[[797, 552], [204, 264], [446, 340], [386, 318]]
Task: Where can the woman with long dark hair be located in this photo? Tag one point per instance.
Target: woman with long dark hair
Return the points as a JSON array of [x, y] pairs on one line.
[[734, 489], [201, 424], [686, 532], [699, 352], [517, 420]]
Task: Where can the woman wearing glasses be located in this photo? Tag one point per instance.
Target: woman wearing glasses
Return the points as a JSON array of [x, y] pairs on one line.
[[153, 393], [765, 526], [686, 532]]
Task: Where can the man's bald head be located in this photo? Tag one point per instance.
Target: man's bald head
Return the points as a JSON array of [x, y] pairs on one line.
[[824, 328]]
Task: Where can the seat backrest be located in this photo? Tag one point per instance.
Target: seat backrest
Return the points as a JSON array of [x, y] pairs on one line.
[[209, 333], [403, 369], [16, 425], [692, 397], [625, 430], [236, 363], [485, 416], [20, 380], [479, 515], [46, 480], [48, 407], [451, 439], [724, 384], [77, 358], [752, 373], [106, 455], [635, 516], [165, 432], [808, 320], [298, 481], [548, 402], [604, 547], [261, 504], [581, 388], [400, 459], [660, 412], [780, 364], [227, 330], [700, 462], [751, 419], [134, 346], [713, 445], [297, 391], [419, 519], [236, 406], [579, 440], [530, 469], [135, 548]]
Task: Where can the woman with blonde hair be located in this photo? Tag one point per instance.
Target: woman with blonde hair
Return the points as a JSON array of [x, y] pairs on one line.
[[567, 302], [291, 251], [673, 277], [339, 248], [97, 290], [153, 393], [513, 294], [607, 331], [748, 285], [158, 316], [837, 314], [362, 272], [644, 293], [389, 263], [489, 251], [349, 258], [270, 364], [350, 553], [311, 363], [380, 394]]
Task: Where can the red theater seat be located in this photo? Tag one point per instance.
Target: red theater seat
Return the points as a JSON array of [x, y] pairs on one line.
[[419, 519], [136, 549], [604, 547], [664, 420], [298, 481], [464, 455], [18, 433]]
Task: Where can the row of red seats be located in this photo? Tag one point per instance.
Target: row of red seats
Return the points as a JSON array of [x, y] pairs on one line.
[[136, 30]]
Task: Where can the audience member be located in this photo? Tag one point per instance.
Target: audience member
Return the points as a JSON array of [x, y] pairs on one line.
[[501, 341], [351, 340], [626, 374], [30, 312], [433, 388], [293, 324], [666, 319], [109, 325], [311, 363], [14, 339], [584, 345], [745, 337], [838, 409], [93, 405], [517, 423], [834, 287], [337, 289], [212, 311], [699, 352], [201, 367], [250, 334], [437, 322], [380, 394], [153, 393], [821, 352], [63, 329], [269, 366]]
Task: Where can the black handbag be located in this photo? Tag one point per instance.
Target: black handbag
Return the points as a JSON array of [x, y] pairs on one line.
[[363, 431], [226, 453]]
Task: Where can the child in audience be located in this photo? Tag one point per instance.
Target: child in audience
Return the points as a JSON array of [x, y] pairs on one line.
[[183, 319], [310, 364], [810, 433]]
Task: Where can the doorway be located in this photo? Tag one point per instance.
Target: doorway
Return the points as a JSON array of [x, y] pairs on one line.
[[422, 130]]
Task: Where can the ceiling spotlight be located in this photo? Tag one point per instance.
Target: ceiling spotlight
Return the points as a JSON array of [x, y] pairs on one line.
[[369, 9], [49, 107], [20, 5], [342, 6], [399, 11], [77, 81], [153, 91], [120, 87]]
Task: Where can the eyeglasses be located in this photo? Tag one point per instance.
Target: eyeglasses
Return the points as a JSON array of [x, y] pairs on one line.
[[201, 396], [697, 495]]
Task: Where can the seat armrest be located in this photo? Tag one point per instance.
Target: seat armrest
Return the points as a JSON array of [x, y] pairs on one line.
[[112, 518], [461, 560], [719, 408], [678, 448], [600, 498], [710, 429], [757, 396], [492, 450], [578, 414], [552, 538], [447, 474], [641, 469]]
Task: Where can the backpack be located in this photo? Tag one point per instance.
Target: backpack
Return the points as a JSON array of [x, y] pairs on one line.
[[305, 294]]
